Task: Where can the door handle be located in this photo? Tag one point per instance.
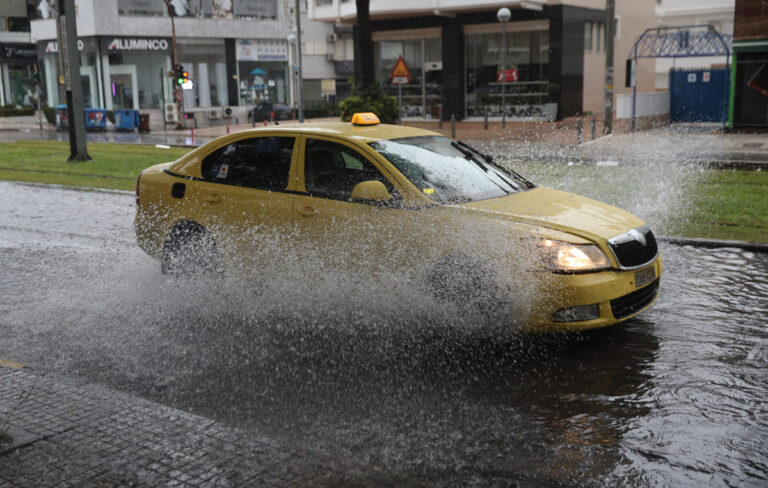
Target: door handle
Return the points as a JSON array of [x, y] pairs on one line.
[[307, 212], [214, 198]]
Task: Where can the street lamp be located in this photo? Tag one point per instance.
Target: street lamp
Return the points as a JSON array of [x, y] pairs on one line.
[[294, 68], [298, 56], [503, 15]]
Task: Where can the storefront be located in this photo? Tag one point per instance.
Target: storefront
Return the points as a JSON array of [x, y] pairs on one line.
[[17, 65], [204, 60], [455, 61], [135, 72], [90, 72], [526, 57], [421, 50], [262, 71]]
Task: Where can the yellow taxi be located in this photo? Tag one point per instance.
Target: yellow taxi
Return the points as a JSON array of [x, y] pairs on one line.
[[371, 196]]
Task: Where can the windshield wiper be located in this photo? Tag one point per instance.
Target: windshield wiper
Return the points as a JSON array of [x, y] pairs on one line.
[[490, 160], [468, 155]]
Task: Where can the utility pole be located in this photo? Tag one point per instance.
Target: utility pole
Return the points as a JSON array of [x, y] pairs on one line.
[[610, 35], [178, 91], [504, 14], [70, 62], [299, 90]]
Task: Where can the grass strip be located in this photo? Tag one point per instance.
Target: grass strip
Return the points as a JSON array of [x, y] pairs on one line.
[[114, 166]]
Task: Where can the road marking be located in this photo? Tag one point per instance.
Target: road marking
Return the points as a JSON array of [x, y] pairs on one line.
[[4, 363]]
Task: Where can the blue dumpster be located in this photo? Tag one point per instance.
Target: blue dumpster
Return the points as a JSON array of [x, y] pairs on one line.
[[95, 119], [62, 118], [126, 119]]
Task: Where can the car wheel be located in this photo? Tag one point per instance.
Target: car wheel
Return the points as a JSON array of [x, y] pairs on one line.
[[465, 281], [190, 249]]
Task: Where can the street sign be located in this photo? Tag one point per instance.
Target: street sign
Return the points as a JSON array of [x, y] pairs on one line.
[[400, 74]]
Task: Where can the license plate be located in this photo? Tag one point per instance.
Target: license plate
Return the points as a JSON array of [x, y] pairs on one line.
[[644, 276]]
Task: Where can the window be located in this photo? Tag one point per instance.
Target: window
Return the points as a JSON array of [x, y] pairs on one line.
[[260, 162], [587, 36], [332, 170], [599, 36]]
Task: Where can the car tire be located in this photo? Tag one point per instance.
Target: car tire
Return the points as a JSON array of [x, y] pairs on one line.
[[465, 281], [189, 249]]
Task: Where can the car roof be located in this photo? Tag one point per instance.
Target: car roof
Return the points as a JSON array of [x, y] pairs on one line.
[[361, 133]]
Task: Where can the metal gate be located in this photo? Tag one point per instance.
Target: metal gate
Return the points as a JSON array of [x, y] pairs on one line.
[[698, 95]]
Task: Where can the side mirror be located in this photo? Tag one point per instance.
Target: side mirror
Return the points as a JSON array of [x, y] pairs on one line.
[[372, 191]]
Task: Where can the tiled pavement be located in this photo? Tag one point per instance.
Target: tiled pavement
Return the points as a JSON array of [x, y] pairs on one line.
[[69, 434]]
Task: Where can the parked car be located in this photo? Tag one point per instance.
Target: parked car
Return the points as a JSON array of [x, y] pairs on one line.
[[386, 197], [271, 111]]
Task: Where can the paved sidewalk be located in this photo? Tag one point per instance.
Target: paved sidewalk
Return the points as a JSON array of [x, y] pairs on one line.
[[66, 434]]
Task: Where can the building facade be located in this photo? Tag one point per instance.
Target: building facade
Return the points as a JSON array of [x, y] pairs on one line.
[[554, 53], [749, 78], [17, 55], [237, 53]]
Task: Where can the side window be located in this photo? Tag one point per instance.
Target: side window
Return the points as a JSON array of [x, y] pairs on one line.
[[260, 162], [332, 170]]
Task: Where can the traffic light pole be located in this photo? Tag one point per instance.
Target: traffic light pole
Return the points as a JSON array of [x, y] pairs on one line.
[[178, 93]]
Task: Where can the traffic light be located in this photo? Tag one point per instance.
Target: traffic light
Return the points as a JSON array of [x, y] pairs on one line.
[[179, 74], [185, 76], [36, 77]]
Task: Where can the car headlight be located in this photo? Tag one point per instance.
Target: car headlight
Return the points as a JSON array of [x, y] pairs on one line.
[[561, 256]]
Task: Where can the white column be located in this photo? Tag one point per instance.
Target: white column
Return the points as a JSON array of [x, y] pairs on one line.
[[6, 82], [221, 83], [203, 86], [106, 78]]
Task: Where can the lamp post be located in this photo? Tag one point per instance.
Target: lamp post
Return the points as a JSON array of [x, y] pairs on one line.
[[294, 69], [298, 55], [504, 15]]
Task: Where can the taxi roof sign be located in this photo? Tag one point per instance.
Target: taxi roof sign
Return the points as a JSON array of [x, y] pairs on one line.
[[365, 118]]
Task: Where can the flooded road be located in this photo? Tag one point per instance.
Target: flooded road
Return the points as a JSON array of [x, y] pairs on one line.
[[676, 397]]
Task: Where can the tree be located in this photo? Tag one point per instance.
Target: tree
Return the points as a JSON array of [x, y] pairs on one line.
[[364, 58]]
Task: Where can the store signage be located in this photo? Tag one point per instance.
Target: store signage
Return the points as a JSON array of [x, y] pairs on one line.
[[262, 50], [53, 46], [400, 74], [135, 44], [18, 51]]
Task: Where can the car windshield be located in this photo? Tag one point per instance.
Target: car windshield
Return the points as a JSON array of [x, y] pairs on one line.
[[448, 171]]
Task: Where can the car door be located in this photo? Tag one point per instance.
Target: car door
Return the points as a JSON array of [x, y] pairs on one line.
[[337, 230], [245, 197]]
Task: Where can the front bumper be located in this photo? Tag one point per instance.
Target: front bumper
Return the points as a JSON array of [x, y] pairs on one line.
[[614, 291]]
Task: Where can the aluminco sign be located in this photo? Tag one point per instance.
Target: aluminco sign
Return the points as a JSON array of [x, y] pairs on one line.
[[138, 45]]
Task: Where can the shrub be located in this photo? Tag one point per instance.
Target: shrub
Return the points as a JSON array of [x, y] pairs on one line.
[[50, 115], [371, 100], [315, 112], [11, 111]]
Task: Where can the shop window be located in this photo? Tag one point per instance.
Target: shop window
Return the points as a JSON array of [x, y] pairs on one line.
[[523, 80]]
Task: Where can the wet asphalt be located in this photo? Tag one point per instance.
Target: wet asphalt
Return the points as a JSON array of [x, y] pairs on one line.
[[677, 396]]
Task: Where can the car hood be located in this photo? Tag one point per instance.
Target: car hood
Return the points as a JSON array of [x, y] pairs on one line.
[[561, 211]]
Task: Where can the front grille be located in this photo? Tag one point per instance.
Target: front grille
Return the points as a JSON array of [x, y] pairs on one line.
[[629, 304], [631, 253]]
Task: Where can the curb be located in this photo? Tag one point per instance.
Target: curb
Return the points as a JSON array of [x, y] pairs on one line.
[[715, 243]]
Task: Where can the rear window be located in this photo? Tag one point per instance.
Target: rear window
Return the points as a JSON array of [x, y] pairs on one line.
[[259, 162]]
